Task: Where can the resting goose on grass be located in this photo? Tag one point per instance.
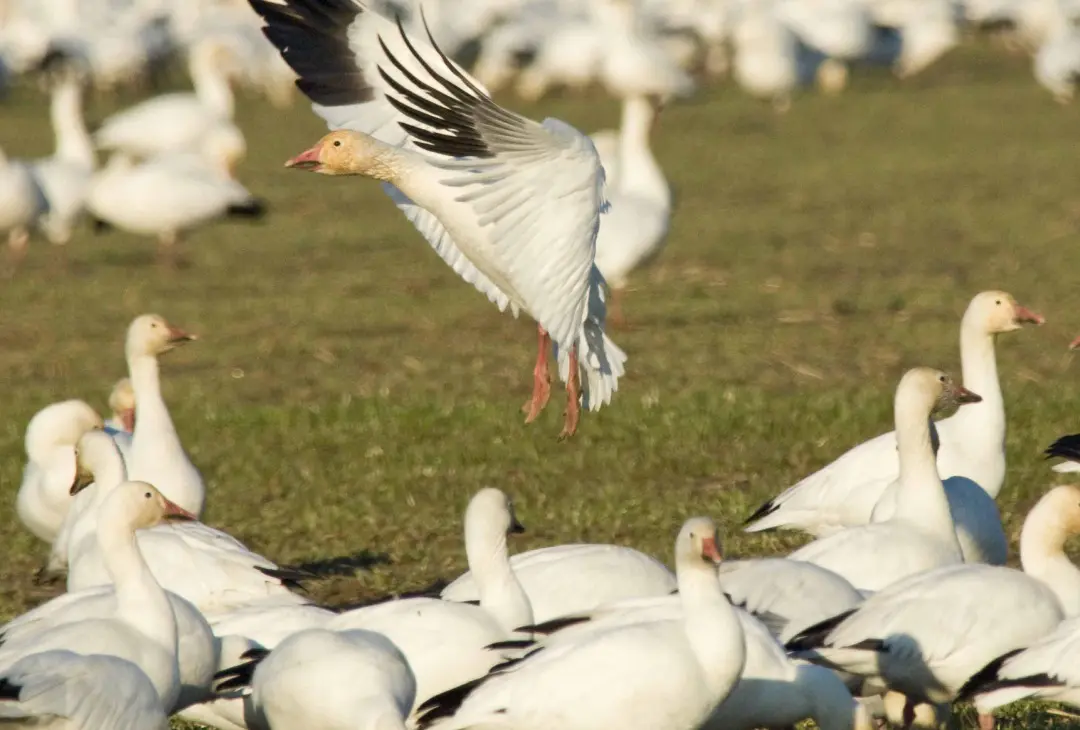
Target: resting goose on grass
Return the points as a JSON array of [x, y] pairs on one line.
[[972, 442], [511, 205]]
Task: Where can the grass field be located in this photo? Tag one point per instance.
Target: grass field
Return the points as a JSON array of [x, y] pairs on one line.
[[349, 393]]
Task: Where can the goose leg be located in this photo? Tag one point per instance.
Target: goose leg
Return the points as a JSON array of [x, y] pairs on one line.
[[541, 377], [167, 249], [573, 395], [18, 239], [986, 721], [615, 312]]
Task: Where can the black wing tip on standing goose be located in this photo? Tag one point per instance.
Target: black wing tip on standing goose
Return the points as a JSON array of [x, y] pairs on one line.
[[9, 690], [313, 38], [239, 676], [813, 637], [1067, 447], [987, 680]]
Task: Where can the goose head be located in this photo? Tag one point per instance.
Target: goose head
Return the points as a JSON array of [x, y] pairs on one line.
[[59, 425], [491, 513], [929, 391], [122, 403], [698, 543], [1052, 520], [994, 312], [224, 147], [345, 153], [150, 335], [138, 505], [95, 454]]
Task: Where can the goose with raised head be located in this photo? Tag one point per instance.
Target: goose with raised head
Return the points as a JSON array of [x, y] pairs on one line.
[[972, 442], [655, 676], [326, 680], [773, 690], [564, 579], [157, 455], [143, 629], [179, 122], [62, 689], [930, 636], [44, 495], [446, 642], [634, 230], [64, 178], [511, 205], [921, 535]]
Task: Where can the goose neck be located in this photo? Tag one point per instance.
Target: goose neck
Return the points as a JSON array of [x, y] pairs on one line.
[[979, 367], [72, 140], [150, 409], [140, 600], [921, 499], [501, 594], [210, 83], [640, 173], [712, 626], [1042, 544]]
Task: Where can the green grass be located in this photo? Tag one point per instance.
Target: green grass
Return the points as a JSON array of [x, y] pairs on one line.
[[349, 392]]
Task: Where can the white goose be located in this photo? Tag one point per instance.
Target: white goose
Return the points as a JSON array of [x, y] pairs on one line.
[[565, 579], [654, 676], [789, 595], [51, 436], [325, 680], [773, 690], [166, 196], [845, 492], [635, 228], [513, 206], [156, 453], [21, 203], [929, 635], [205, 566], [63, 689], [143, 628], [921, 535], [446, 642], [64, 178], [178, 122]]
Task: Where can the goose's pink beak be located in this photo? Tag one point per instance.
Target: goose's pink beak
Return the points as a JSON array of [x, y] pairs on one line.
[[1074, 344], [127, 418], [174, 511], [710, 550], [308, 160], [177, 335], [1026, 316]]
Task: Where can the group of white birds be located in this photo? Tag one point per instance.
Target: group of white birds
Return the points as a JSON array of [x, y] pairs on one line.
[[900, 607]]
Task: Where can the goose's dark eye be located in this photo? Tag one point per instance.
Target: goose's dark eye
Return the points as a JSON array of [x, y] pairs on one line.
[[337, 142], [154, 325], [941, 378], [998, 302], [147, 495]]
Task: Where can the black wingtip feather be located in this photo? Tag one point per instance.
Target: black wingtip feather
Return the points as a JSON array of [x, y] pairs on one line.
[[553, 625], [763, 511], [9, 690], [253, 209], [814, 636], [445, 704], [511, 644], [313, 38], [1067, 447], [986, 678]]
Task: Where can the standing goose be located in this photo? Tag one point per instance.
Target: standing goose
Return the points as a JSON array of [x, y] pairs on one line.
[[931, 636], [511, 205], [43, 498], [666, 675], [972, 442], [61, 689], [21, 203], [921, 535], [156, 452], [634, 230], [143, 628]]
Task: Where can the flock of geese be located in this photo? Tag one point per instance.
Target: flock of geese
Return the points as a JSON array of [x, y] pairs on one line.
[[899, 608]]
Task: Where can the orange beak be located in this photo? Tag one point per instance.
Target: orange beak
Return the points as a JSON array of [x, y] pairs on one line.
[[1074, 344], [177, 335], [308, 160], [1026, 316], [127, 417], [710, 550], [174, 511]]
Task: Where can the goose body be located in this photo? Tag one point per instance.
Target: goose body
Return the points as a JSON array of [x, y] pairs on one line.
[[515, 211], [67, 691], [566, 579], [21, 203], [845, 492], [921, 535], [653, 675], [929, 635], [44, 494]]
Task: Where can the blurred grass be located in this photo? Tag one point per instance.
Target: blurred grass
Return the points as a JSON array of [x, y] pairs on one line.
[[349, 393]]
